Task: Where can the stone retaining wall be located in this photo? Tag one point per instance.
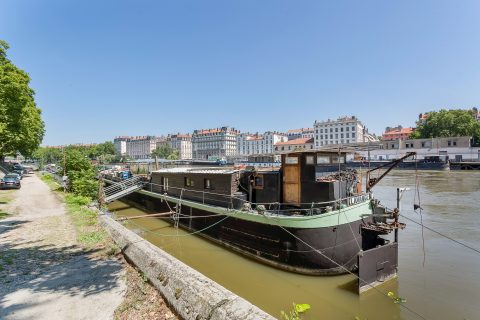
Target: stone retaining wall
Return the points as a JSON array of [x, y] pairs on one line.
[[191, 294]]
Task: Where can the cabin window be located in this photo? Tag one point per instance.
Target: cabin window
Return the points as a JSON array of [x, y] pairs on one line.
[[323, 159], [207, 183], [258, 182], [338, 159], [309, 160], [188, 182], [291, 160]]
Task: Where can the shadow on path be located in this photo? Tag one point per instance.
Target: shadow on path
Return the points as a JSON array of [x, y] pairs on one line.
[[27, 270]]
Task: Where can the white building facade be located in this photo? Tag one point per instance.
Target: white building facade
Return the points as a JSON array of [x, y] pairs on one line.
[[215, 143], [254, 144], [141, 147], [293, 134], [182, 143], [120, 144], [341, 131]]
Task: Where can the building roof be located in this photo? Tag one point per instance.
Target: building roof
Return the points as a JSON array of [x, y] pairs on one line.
[[299, 130], [197, 170], [401, 131], [295, 141]]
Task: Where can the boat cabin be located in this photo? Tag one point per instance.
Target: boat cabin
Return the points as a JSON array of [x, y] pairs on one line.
[[304, 178]]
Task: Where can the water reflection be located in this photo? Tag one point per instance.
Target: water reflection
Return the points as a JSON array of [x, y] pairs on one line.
[[446, 286]]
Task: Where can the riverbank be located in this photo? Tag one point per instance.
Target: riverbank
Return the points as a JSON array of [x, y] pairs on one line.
[[57, 263]]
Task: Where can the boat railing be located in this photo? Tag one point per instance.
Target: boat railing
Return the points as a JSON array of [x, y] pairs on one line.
[[235, 202]]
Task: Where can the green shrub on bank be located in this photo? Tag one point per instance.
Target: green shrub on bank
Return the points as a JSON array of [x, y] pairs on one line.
[[90, 234]]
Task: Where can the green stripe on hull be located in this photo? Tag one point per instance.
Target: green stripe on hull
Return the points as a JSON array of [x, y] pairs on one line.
[[330, 219]]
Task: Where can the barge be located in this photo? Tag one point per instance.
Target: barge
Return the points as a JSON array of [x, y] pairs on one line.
[[310, 216], [438, 162]]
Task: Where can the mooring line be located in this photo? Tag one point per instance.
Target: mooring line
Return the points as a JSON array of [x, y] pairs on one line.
[[353, 274], [441, 234]]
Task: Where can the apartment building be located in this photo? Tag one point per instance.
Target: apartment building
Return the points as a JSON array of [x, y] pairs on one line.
[[254, 144], [180, 142], [295, 145], [293, 134], [120, 144], [141, 147], [341, 131], [214, 143]]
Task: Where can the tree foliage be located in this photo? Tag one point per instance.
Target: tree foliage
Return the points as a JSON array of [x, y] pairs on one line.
[[21, 125], [166, 152], [81, 173], [448, 123]]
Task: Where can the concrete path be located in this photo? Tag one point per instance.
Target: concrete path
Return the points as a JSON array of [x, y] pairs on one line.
[[44, 274]]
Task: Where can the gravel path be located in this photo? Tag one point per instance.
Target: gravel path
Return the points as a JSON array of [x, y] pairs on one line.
[[44, 274]]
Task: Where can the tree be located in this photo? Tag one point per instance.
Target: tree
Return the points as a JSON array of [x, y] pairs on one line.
[[163, 152], [81, 173], [21, 125], [448, 123]]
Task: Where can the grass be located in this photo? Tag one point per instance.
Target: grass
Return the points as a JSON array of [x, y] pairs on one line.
[[89, 233], [4, 215], [5, 196], [50, 181]]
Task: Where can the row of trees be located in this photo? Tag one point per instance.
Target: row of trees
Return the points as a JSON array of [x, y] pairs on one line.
[[21, 124], [448, 123], [102, 152]]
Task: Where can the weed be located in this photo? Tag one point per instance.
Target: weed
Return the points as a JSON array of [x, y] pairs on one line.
[[4, 215], [91, 238], [295, 312]]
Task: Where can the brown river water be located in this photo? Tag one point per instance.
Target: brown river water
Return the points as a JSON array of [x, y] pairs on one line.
[[441, 281]]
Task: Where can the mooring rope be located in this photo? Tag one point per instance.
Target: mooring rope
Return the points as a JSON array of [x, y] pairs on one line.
[[178, 235], [353, 274], [441, 234]]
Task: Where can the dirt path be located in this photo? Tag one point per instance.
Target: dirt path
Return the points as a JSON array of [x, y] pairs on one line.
[[44, 274]]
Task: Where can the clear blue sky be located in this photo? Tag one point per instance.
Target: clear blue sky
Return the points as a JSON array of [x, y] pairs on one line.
[[106, 68]]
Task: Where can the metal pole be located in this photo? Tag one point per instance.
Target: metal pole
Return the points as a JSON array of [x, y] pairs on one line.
[[396, 215]]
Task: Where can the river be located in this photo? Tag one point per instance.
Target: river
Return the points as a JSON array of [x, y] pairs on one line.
[[438, 278]]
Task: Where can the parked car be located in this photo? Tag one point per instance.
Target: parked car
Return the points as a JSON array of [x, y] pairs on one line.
[[10, 181], [19, 172], [27, 169]]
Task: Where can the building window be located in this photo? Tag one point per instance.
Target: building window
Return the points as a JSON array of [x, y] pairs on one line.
[[423, 144], [449, 143], [348, 128], [331, 136], [353, 134], [348, 135], [454, 143], [207, 184]]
